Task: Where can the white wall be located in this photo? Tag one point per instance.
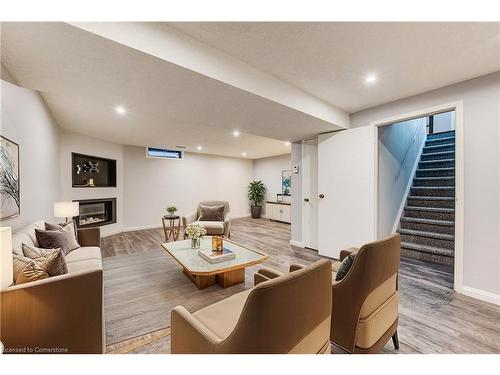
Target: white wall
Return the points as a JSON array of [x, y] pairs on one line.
[[269, 171], [399, 147], [296, 207], [82, 144], [26, 121], [481, 111], [444, 122], [150, 185]]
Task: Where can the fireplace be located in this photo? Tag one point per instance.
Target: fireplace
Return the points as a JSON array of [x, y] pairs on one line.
[[96, 212]]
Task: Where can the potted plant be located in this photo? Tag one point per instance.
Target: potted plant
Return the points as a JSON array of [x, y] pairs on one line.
[[256, 193], [171, 210]]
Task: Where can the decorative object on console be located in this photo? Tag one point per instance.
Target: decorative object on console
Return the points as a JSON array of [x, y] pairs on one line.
[[92, 171], [256, 195], [10, 196], [195, 232], [286, 182], [66, 209], [6, 266]]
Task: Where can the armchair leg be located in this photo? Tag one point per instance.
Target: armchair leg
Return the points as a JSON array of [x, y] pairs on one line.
[[395, 340]]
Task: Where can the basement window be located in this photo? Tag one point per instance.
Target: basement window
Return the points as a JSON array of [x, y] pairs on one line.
[[163, 153]]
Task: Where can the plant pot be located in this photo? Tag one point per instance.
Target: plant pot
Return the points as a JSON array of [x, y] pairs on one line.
[[255, 210]]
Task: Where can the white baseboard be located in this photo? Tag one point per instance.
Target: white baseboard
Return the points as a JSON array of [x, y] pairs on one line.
[[297, 244], [480, 294], [131, 229]]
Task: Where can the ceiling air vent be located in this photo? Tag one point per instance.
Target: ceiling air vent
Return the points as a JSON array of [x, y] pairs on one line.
[[164, 153]]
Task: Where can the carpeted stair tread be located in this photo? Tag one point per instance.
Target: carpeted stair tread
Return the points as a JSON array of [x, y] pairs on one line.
[[433, 141], [448, 133], [427, 249], [429, 221], [432, 178], [431, 198], [433, 209], [434, 148], [420, 233], [437, 154]]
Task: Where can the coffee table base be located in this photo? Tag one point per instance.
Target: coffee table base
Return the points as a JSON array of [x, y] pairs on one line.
[[225, 279]]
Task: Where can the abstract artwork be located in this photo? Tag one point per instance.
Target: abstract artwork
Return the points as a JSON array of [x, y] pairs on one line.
[[286, 182], [10, 200]]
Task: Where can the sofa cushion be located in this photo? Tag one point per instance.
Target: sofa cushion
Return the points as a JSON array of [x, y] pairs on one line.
[[83, 253], [213, 227], [222, 316], [70, 225], [51, 260], [344, 267], [27, 270], [52, 239], [211, 213], [18, 239], [85, 265]]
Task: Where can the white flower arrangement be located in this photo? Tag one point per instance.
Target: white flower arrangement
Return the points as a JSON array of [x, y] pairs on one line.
[[195, 231]]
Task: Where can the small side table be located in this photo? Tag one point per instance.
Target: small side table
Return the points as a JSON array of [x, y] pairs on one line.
[[171, 229]]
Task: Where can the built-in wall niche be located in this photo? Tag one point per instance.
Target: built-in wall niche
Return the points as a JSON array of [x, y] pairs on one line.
[[92, 171]]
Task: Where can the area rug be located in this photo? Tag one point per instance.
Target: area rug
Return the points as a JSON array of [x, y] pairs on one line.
[[140, 291]]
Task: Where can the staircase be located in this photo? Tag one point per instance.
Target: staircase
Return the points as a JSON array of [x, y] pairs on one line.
[[427, 225]]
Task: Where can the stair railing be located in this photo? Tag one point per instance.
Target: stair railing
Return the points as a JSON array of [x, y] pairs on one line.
[[405, 158]]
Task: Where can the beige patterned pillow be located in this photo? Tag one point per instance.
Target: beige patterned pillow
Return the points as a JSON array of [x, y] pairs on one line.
[[26, 270], [51, 260]]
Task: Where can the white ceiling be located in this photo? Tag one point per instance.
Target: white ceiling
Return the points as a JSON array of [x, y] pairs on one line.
[[331, 59], [83, 74]]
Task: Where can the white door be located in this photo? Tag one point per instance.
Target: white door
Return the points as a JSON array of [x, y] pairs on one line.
[[310, 193], [346, 187]]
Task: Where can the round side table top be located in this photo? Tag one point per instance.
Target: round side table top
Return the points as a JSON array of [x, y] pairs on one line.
[[171, 217]]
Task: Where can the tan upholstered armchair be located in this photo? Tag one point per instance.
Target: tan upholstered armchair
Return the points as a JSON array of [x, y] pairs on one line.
[[213, 227], [365, 301], [283, 313]]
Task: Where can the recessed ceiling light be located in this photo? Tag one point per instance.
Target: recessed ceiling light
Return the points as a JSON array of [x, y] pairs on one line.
[[236, 133], [370, 78], [199, 148], [243, 154], [287, 143], [121, 110]]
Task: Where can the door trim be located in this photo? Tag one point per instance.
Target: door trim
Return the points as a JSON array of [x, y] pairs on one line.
[[456, 106]]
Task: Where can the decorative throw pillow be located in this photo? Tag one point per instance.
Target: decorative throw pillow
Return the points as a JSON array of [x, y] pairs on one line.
[[51, 260], [53, 239], [211, 213], [69, 226], [344, 267], [26, 270]]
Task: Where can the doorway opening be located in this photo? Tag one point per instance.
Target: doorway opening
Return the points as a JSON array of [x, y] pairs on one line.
[[416, 187]]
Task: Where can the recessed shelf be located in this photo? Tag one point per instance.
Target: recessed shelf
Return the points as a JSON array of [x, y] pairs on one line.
[[92, 171]]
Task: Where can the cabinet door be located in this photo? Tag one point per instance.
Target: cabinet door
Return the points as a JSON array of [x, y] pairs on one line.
[[286, 216], [270, 211]]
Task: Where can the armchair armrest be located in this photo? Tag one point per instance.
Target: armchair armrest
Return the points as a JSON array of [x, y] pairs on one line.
[[265, 274], [189, 335], [89, 236], [61, 312], [347, 252], [189, 218], [227, 224], [296, 267]]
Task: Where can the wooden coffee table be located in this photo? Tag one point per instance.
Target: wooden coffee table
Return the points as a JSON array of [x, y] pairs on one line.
[[203, 273]]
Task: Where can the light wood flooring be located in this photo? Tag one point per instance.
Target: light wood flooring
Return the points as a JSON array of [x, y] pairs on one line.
[[432, 317]]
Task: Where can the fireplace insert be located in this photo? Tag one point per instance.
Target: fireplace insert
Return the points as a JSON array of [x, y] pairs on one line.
[[96, 212]]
